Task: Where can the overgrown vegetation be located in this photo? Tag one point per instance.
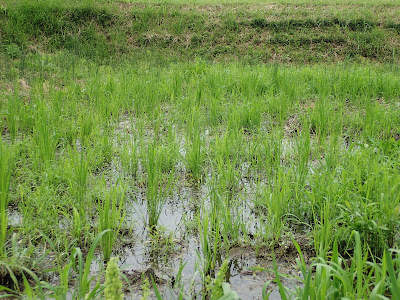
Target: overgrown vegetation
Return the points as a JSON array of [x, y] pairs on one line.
[[251, 33]]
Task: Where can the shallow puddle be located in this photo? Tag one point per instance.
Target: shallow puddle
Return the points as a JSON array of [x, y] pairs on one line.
[[183, 249], [177, 247]]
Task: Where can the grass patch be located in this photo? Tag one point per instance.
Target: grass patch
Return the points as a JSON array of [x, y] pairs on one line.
[[253, 33]]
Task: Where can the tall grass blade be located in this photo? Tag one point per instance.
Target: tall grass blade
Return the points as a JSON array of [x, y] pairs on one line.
[[394, 283]]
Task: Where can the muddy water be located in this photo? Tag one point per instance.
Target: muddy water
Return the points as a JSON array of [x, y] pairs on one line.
[[178, 211], [15, 218], [183, 250]]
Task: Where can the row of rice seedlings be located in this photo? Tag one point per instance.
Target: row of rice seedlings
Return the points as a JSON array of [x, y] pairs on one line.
[[44, 140], [64, 185], [251, 109]]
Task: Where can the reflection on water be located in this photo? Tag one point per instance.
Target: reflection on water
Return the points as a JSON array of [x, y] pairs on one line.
[[180, 210]]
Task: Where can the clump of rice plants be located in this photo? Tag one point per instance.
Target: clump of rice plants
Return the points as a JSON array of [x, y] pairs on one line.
[[111, 217], [158, 186], [5, 179]]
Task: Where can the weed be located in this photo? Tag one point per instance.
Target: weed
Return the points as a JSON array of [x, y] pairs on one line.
[[113, 290]]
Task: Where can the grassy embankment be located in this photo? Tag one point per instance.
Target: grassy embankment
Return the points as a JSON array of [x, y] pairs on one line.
[[252, 33], [100, 103]]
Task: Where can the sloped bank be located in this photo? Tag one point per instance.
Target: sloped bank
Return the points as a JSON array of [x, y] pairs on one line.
[[252, 33]]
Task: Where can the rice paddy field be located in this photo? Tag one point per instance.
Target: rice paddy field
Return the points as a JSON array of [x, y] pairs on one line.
[[200, 150]]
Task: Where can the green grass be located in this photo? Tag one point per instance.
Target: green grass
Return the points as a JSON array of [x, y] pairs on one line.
[[334, 279], [247, 32]]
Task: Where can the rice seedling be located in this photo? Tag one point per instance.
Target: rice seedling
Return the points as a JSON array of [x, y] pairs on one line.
[[194, 149], [229, 228], [13, 114], [157, 187], [129, 158], [111, 217], [271, 149], [168, 150], [194, 157], [6, 165], [77, 182], [275, 199], [322, 230], [303, 152], [44, 138], [210, 240]]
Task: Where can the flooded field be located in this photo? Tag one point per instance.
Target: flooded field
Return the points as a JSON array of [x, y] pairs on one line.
[[281, 181]]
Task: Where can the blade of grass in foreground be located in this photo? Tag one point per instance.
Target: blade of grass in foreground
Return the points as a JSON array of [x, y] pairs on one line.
[[359, 264], [394, 286], [282, 290], [158, 295], [303, 268]]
